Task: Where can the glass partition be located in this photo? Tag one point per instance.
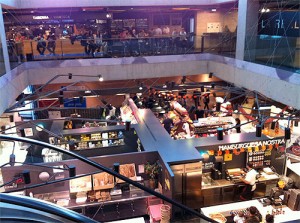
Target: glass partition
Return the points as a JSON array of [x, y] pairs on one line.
[[2, 65]]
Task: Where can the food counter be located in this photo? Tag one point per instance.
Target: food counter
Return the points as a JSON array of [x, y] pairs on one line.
[[225, 191], [209, 125], [226, 209], [123, 204]]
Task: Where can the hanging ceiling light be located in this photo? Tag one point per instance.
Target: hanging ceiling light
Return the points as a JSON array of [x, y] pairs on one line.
[[141, 86], [100, 78]]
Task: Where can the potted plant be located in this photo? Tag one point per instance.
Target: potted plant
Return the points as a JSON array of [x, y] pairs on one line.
[[152, 170]]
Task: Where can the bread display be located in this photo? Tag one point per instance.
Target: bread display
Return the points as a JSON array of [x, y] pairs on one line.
[[127, 170], [81, 184], [218, 217], [103, 181]]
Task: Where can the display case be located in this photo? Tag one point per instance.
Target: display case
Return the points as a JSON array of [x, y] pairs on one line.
[[97, 141], [92, 140], [210, 125]]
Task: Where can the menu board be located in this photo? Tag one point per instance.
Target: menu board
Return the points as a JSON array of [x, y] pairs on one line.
[[129, 23], [117, 26], [142, 23], [259, 158]]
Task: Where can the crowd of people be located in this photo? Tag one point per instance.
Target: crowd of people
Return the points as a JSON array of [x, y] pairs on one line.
[[252, 216], [128, 41]]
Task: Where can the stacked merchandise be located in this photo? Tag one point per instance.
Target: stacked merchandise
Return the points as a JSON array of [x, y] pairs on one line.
[[294, 200]]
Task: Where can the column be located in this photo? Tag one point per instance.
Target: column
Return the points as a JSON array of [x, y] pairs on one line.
[[3, 43], [248, 11]]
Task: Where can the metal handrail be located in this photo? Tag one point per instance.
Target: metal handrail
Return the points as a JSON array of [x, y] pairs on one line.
[[108, 170]]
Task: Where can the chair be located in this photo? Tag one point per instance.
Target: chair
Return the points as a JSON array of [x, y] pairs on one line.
[[154, 205]]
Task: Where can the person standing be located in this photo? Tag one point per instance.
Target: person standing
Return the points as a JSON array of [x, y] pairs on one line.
[[168, 124], [199, 113], [249, 180], [206, 101], [238, 125]]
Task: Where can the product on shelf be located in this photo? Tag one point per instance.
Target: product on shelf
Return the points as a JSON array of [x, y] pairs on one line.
[[81, 184], [103, 181], [127, 170]]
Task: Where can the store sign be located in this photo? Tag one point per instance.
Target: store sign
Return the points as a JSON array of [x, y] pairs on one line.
[[40, 17], [279, 24], [74, 103], [252, 144]]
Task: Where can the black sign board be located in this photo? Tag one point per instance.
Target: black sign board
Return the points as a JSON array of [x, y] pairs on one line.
[[279, 24]]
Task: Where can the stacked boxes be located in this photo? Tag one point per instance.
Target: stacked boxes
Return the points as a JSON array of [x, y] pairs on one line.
[[294, 200]]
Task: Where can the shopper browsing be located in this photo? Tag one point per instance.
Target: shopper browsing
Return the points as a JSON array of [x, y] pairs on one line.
[[239, 218], [249, 180], [254, 216]]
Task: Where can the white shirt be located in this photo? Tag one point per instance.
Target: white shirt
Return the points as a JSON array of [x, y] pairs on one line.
[[238, 219], [251, 178]]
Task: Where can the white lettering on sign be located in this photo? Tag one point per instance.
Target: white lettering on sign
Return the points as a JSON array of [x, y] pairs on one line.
[[40, 17], [251, 144]]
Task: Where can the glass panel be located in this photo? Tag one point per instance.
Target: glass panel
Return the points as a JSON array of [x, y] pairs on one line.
[[2, 65]]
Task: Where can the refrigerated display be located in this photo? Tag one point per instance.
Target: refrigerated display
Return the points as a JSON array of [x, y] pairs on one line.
[[187, 184]]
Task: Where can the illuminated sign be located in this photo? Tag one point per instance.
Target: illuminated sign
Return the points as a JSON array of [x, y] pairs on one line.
[[40, 17], [279, 23], [251, 144]]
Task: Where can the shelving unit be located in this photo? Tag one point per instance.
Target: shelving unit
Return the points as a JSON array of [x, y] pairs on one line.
[[98, 141]]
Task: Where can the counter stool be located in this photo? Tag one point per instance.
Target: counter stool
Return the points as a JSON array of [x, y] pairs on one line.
[[154, 206]]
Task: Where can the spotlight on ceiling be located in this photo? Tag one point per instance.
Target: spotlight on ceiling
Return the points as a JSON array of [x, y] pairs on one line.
[[100, 78], [210, 74]]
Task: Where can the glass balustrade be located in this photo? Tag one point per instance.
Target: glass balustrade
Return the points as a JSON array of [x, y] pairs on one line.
[[275, 51]]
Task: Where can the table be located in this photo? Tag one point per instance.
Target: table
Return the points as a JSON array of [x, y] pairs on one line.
[[133, 220]]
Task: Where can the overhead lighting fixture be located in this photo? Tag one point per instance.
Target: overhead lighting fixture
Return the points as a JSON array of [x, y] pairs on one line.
[[108, 15], [141, 86], [70, 76], [210, 74], [183, 79], [287, 133], [87, 92], [180, 9], [100, 78], [265, 10], [258, 130], [164, 86], [213, 10], [220, 133], [212, 86]]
